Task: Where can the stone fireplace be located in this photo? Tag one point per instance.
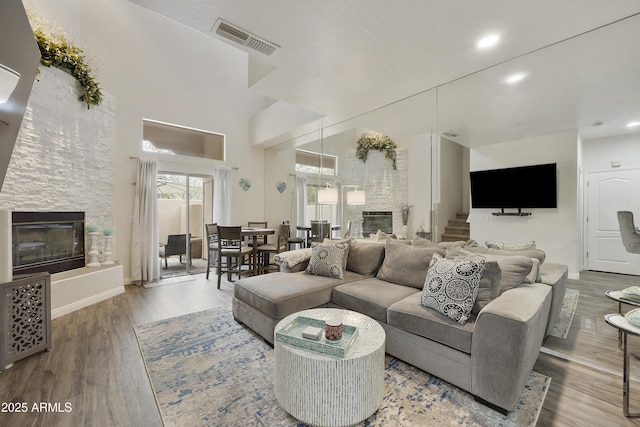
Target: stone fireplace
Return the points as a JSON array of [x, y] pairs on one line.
[[47, 241]]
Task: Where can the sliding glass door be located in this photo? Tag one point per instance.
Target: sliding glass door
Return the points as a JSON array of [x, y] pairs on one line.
[[182, 200]]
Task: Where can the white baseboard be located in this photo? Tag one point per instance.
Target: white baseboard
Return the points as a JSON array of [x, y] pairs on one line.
[[574, 276], [61, 311]]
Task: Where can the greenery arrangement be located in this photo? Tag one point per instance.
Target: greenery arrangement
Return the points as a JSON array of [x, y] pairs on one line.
[[58, 52], [382, 143]]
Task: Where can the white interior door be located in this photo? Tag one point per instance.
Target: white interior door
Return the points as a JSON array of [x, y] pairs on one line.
[[607, 193]]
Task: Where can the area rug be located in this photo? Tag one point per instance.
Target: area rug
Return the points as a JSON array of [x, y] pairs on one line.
[[569, 304], [207, 369]]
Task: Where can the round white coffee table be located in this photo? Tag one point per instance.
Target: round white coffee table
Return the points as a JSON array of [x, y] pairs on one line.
[[324, 390]]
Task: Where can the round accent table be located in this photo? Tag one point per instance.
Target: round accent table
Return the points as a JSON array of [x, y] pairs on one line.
[[324, 390]]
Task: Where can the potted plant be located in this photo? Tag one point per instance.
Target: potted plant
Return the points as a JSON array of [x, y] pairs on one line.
[[382, 143]]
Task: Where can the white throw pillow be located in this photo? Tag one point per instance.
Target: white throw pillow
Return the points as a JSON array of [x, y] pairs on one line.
[[328, 260], [511, 246]]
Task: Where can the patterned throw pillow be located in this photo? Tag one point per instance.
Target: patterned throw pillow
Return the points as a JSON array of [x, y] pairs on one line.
[[328, 260], [511, 246], [452, 287]]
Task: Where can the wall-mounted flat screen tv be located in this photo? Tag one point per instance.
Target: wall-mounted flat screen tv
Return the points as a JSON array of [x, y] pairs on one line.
[[520, 187]]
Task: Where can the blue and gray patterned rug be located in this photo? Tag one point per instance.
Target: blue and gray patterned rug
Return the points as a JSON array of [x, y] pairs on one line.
[[206, 369], [569, 305]]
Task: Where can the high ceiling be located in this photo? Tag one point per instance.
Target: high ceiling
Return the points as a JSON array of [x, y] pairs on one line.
[[342, 58]]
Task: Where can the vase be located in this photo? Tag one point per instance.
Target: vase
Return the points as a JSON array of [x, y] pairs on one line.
[[405, 231]]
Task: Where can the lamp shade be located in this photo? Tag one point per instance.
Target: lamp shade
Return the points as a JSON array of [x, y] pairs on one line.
[[356, 197], [327, 196], [8, 81]]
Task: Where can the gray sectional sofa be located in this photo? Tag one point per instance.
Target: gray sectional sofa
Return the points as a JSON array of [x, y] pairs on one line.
[[490, 356]]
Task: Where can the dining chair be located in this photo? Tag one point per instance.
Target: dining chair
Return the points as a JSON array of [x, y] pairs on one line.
[[320, 231], [230, 247], [212, 245], [294, 240], [281, 245], [630, 235]]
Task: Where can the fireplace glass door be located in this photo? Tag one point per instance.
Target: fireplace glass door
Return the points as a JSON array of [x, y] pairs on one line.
[[47, 241]]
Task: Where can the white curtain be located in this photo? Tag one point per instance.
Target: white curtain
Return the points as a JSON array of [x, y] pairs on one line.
[[299, 206], [222, 184], [145, 263]]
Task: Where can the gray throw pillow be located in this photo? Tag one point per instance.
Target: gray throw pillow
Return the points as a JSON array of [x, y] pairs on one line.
[[365, 257], [328, 260], [406, 265], [452, 287]]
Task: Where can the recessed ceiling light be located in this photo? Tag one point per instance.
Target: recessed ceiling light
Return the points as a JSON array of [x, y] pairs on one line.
[[515, 78], [488, 41], [633, 124]]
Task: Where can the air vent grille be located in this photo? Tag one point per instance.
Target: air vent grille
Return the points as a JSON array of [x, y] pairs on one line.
[[243, 38]]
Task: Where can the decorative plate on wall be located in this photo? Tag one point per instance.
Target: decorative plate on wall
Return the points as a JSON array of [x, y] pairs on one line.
[[281, 186], [245, 184]]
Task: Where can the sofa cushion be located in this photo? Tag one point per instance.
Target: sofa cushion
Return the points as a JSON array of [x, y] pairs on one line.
[[328, 260], [409, 315], [422, 242], [529, 253], [514, 269], [365, 257], [452, 286], [370, 296], [406, 265], [280, 294]]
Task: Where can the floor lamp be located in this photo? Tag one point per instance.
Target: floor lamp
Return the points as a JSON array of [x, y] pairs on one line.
[[354, 198]]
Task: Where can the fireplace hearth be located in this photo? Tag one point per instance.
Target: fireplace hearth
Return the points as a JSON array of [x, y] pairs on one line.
[[47, 241]]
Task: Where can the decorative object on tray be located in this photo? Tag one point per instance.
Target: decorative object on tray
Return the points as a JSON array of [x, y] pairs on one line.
[[281, 186], [333, 331], [245, 184], [292, 334], [312, 333], [633, 316]]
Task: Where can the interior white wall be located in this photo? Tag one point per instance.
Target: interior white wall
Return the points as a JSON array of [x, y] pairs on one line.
[[554, 230], [451, 183], [419, 182], [162, 70], [598, 154]]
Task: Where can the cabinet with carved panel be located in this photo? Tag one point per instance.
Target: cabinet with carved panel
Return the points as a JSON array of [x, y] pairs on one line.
[[25, 317]]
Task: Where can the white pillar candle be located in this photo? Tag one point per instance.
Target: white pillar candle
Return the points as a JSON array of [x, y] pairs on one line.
[[6, 263]]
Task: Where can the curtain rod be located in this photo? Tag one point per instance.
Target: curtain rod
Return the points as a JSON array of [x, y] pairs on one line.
[[235, 168]]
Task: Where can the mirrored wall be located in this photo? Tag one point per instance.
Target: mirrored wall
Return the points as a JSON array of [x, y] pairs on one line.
[[579, 88]]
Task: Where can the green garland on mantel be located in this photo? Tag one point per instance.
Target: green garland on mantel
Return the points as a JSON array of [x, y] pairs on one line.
[[58, 52], [382, 143]]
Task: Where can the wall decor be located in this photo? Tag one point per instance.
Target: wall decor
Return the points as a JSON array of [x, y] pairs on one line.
[[382, 143], [57, 51], [245, 184], [281, 186]]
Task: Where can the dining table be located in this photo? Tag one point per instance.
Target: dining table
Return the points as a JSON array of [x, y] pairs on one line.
[[254, 233], [307, 230]]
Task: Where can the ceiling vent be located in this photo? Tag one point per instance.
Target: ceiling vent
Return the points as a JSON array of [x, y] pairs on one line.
[[249, 42]]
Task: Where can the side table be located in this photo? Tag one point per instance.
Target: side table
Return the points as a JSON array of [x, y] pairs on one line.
[[625, 327], [324, 390], [619, 296]]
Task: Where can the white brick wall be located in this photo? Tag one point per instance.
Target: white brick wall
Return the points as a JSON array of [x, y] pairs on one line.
[[64, 154], [386, 188]]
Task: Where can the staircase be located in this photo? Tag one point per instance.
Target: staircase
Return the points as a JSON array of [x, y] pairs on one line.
[[458, 229]]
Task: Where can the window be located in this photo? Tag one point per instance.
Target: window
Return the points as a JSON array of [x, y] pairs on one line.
[[310, 162], [176, 140]]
